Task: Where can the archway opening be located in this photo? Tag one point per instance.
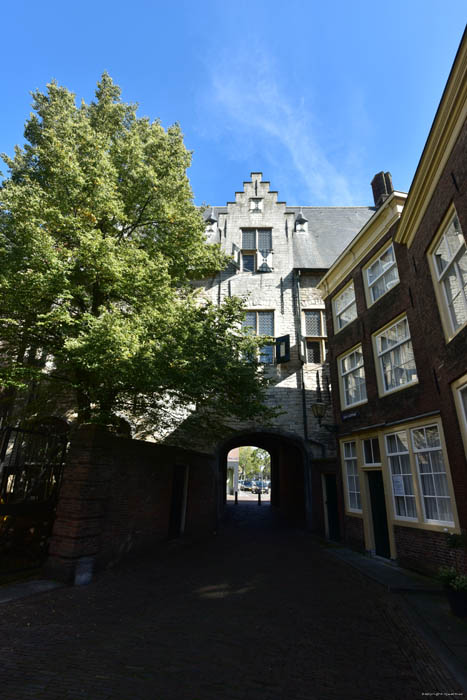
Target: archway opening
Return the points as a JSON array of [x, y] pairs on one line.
[[248, 476], [288, 470]]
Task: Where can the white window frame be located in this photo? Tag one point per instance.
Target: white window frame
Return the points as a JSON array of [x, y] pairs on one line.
[[458, 387], [345, 374], [355, 476], [381, 353], [370, 286], [321, 338], [337, 314], [406, 474], [436, 496], [440, 275]]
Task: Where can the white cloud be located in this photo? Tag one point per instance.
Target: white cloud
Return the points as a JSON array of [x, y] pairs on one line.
[[262, 118]]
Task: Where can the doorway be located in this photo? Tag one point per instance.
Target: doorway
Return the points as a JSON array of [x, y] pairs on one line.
[[379, 514]]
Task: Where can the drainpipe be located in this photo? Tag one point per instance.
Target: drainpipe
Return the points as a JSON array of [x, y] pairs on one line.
[[302, 372]]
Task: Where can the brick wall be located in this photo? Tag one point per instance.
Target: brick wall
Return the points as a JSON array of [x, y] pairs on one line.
[[115, 499], [414, 544]]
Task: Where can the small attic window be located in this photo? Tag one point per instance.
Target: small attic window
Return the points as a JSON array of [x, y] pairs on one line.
[[301, 223], [256, 204], [211, 222]]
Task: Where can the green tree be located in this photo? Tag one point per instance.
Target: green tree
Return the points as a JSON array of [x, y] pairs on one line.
[[99, 242], [253, 461]]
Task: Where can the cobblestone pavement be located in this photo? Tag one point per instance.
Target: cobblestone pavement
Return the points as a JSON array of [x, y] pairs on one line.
[[257, 612]]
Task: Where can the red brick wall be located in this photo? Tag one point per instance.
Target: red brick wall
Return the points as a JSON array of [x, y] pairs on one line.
[[426, 551], [115, 499]]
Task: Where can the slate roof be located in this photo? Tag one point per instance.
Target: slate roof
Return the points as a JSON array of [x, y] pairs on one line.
[[330, 230]]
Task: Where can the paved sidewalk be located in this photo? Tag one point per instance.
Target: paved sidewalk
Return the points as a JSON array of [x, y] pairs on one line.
[[426, 604], [258, 612]]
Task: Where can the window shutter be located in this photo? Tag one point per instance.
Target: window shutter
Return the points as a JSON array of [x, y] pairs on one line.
[[236, 255], [283, 349], [264, 261]]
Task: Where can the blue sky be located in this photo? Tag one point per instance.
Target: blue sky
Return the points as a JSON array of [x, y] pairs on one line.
[[319, 96]]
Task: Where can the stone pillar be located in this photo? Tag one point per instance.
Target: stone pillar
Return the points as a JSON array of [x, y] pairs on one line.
[[76, 539]]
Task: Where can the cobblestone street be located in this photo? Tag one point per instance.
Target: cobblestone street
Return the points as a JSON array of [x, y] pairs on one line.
[[257, 612]]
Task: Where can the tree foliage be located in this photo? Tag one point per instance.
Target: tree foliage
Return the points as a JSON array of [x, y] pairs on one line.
[[253, 462], [99, 241]]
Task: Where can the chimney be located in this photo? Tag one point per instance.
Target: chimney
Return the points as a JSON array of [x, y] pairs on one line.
[[382, 187]]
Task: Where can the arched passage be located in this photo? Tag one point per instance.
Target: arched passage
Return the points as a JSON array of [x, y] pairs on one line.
[[290, 471]]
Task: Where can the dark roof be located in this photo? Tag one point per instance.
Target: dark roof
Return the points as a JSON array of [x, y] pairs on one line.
[[330, 230]]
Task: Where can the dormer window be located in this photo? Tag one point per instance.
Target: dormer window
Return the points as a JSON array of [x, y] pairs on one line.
[[211, 222], [301, 223], [256, 205]]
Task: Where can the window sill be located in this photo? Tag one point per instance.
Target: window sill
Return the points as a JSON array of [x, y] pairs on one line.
[[399, 388]]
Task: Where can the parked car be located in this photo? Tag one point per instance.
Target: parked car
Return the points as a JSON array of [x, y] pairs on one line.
[[246, 485], [260, 487]]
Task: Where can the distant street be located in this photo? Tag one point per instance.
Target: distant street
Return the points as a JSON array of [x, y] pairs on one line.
[[256, 612]]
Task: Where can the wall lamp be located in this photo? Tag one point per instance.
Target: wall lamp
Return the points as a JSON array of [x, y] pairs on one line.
[[319, 410]]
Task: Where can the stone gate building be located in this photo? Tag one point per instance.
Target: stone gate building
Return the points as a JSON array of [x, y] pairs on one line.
[[279, 255]]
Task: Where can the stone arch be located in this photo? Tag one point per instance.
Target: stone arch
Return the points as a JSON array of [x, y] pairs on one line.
[[291, 466]]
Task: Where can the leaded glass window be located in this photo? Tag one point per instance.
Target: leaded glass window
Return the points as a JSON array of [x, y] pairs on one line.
[[248, 262], [313, 323], [313, 351], [314, 330], [261, 323], [249, 239], [264, 240]]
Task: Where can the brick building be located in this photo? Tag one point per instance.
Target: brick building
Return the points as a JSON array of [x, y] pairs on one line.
[[396, 303]]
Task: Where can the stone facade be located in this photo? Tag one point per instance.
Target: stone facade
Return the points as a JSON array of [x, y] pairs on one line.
[[303, 244]]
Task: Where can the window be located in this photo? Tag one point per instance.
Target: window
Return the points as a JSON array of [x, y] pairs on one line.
[[432, 474], [396, 360], [257, 250], [345, 307], [371, 453], [459, 388], [248, 262], [397, 450], [450, 265], [353, 481], [261, 323], [427, 455], [352, 378], [381, 275], [314, 322]]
